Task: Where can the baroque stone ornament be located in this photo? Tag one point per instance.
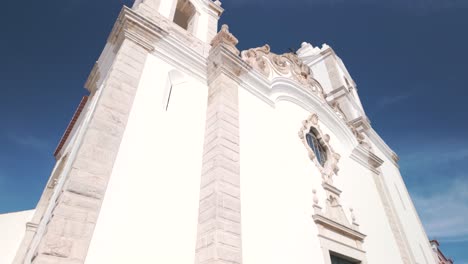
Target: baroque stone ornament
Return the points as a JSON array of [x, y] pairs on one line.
[[227, 38], [330, 168], [272, 65]]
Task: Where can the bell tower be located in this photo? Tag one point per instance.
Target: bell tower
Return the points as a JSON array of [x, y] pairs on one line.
[[196, 17]]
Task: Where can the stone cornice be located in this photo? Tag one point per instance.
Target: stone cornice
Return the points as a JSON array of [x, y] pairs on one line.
[[361, 124], [93, 78], [215, 8], [380, 143], [224, 57], [331, 188], [338, 228], [133, 26], [226, 39], [30, 226], [366, 158], [160, 37]]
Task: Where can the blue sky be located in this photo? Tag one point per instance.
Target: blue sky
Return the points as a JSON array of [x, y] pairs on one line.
[[409, 59]]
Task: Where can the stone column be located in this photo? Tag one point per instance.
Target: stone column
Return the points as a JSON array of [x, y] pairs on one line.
[[68, 229], [219, 222]]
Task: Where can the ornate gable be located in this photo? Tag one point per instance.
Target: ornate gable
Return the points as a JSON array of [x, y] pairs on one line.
[[272, 65]]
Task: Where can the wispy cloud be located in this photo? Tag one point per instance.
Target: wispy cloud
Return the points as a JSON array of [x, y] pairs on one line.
[[29, 141], [441, 193], [386, 101], [445, 211], [435, 155]]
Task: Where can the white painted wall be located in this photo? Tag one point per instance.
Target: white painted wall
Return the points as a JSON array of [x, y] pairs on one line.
[[12, 228], [150, 211], [277, 179]]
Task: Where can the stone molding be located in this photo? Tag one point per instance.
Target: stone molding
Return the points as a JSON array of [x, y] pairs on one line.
[[343, 230], [367, 158], [130, 25]]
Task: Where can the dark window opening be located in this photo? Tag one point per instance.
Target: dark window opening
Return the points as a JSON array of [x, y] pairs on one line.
[[317, 147], [184, 14], [339, 260]]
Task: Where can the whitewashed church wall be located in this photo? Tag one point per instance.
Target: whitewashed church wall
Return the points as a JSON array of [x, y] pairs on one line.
[[12, 228], [361, 194], [150, 211], [404, 206], [277, 179]]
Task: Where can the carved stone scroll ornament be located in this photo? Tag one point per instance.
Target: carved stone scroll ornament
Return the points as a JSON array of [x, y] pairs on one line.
[[287, 64], [330, 168]]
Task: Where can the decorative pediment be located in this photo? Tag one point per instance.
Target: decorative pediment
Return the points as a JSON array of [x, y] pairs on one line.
[[272, 65]]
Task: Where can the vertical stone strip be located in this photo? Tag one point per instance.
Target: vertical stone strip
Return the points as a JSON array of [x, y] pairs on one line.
[[333, 73], [71, 225], [219, 222], [393, 220]]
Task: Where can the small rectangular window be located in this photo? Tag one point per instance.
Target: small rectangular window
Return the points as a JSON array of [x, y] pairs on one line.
[[335, 259]]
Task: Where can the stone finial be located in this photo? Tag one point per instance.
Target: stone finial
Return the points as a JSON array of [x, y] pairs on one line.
[[315, 196], [353, 219], [226, 38], [217, 2], [316, 206]]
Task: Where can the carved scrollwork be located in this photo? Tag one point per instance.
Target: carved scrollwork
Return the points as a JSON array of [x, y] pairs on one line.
[[288, 64]]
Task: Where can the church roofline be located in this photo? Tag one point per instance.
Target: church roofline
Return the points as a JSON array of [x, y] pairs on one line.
[[71, 125]]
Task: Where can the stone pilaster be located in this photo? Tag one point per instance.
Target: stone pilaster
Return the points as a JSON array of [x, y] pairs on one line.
[[69, 228], [364, 155], [219, 222]]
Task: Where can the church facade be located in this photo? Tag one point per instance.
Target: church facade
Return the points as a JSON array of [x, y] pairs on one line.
[[189, 150]]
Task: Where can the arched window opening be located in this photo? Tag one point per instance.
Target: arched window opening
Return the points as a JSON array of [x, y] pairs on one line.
[[317, 147], [184, 15]]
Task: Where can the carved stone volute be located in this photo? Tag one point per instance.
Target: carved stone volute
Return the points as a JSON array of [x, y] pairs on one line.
[[272, 65]]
